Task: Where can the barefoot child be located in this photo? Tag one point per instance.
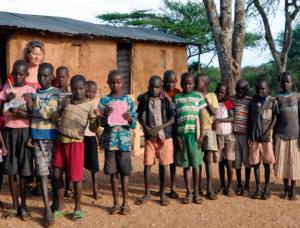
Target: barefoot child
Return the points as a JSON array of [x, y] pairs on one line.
[[116, 138], [226, 141], [169, 86], [19, 160], [156, 116], [209, 144], [287, 139], [3, 153], [91, 161], [189, 107], [262, 118], [42, 107], [241, 104], [76, 112]]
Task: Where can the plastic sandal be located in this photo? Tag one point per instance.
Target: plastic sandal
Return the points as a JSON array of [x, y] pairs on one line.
[[164, 201], [188, 199], [114, 210], [142, 200], [58, 213], [77, 215], [125, 210], [197, 200]]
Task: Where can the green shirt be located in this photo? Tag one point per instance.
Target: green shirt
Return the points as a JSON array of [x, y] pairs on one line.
[[188, 106]]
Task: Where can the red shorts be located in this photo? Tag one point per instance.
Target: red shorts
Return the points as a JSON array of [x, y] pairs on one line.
[[70, 156]]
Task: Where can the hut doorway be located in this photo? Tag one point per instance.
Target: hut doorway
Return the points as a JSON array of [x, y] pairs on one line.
[[3, 63], [124, 65]]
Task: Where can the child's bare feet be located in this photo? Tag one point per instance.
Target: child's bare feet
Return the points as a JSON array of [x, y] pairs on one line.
[[115, 209], [96, 195], [48, 219], [124, 210], [239, 190], [188, 198], [211, 195], [174, 194], [221, 190], [164, 201], [245, 192], [256, 194], [293, 195], [197, 199], [230, 192], [142, 200]]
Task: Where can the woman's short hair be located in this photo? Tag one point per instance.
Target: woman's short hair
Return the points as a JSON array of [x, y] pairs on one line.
[[30, 46]]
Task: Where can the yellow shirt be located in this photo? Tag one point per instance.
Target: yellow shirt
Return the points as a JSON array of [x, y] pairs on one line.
[[208, 119]]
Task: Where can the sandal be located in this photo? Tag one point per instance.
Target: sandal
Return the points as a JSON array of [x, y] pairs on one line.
[[58, 213], [142, 200], [68, 194], [197, 199], [211, 196], [221, 191], [77, 215], [174, 194], [164, 201], [125, 210], [266, 195], [188, 199], [24, 214], [256, 195], [9, 214], [114, 210]]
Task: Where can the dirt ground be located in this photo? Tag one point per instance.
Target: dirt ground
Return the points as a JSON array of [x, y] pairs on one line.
[[223, 212]]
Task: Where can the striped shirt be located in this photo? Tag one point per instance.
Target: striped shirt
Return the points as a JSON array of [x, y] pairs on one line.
[[44, 107], [224, 128], [188, 106], [241, 113]]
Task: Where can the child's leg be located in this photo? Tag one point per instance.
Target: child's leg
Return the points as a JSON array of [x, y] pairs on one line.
[[267, 193], [187, 180], [163, 183], [247, 181], [256, 194], [174, 194], [48, 212], [286, 188], [196, 198], [59, 186], [24, 213], [68, 192], [200, 180], [124, 185], [77, 191], [13, 185], [239, 181], [146, 197], [208, 167], [94, 183], [114, 188], [293, 195], [222, 177], [229, 190]]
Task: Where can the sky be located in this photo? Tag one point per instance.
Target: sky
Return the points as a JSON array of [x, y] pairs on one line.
[[88, 10]]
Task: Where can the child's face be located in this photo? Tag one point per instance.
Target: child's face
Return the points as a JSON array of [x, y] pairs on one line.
[[91, 91], [188, 84], [115, 83], [262, 89], [170, 83], [45, 77], [62, 78], [221, 93], [241, 90], [201, 84], [78, 90], [19, 74], [286, 83], [36, 56], [155, 88]]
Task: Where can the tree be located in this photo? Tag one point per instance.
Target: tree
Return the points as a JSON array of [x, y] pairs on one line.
[[291, 10], [228, 35], [187, 20]]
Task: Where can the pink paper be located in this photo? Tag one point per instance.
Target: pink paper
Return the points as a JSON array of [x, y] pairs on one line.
[[118, 109]]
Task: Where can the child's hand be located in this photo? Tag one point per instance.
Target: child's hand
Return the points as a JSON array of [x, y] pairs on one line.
[[10, 97], [180, 143], [127, 116], [215, 124], [65, 102], [4, 151], [152, 131], [27, 96], [200, 141], [99, 113], [12, 110], [108, 111]]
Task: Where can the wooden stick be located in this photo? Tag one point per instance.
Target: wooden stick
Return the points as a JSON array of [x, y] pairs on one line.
[[11, 86]]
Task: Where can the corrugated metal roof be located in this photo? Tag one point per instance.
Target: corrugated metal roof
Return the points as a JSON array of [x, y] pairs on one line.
[[72, 27]]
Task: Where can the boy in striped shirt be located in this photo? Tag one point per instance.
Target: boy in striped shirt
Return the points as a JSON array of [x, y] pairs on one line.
[[189, 106]]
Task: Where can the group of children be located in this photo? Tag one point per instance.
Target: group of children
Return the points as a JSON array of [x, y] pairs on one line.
[[182, 128]]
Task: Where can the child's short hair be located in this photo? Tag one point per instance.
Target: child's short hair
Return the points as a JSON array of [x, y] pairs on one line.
[[168, 73], [19, 63], [153, 78], [114, 73], [286, 74], [187, 75], [91, 82], [30, 46], [219, 85], [242, 82], [47, 65], [61, 68], [77, 78], [261, 80]]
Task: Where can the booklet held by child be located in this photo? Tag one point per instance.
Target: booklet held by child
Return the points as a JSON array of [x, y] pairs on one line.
[[116, 117]]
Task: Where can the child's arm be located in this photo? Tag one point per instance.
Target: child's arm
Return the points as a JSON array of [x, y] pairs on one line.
[[48, 110], [266, 134], [210, 108], [131, 116], [3, 146], [201, 117], [230, 118]]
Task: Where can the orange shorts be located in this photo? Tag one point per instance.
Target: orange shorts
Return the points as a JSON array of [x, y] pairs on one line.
[[162, 150], [261, 152]]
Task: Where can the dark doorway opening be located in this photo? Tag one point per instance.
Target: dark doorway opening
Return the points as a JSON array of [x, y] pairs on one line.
[[124, 65], [3, 64]]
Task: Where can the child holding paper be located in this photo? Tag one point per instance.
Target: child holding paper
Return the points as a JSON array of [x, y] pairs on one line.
[[118, 116]]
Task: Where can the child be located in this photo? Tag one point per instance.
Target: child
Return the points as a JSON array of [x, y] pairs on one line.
[[241, 104], [76, 111], [209, 144], [42, 108], [169, 86], [262, 118], [61, 82], [156, 116], [3, 153], [226, 141], [19, 160], [287, 139], [91, 161], [116, 139], [189, 106]]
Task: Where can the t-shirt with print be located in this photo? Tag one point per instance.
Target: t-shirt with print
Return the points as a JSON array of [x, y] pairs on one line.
[[188, 106], [224, 128], [241, 113], [117, 137], [11, 119], [208, 119]]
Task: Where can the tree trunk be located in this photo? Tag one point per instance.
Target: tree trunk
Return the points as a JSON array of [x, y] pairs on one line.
[[199, 62], [229, 38]]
